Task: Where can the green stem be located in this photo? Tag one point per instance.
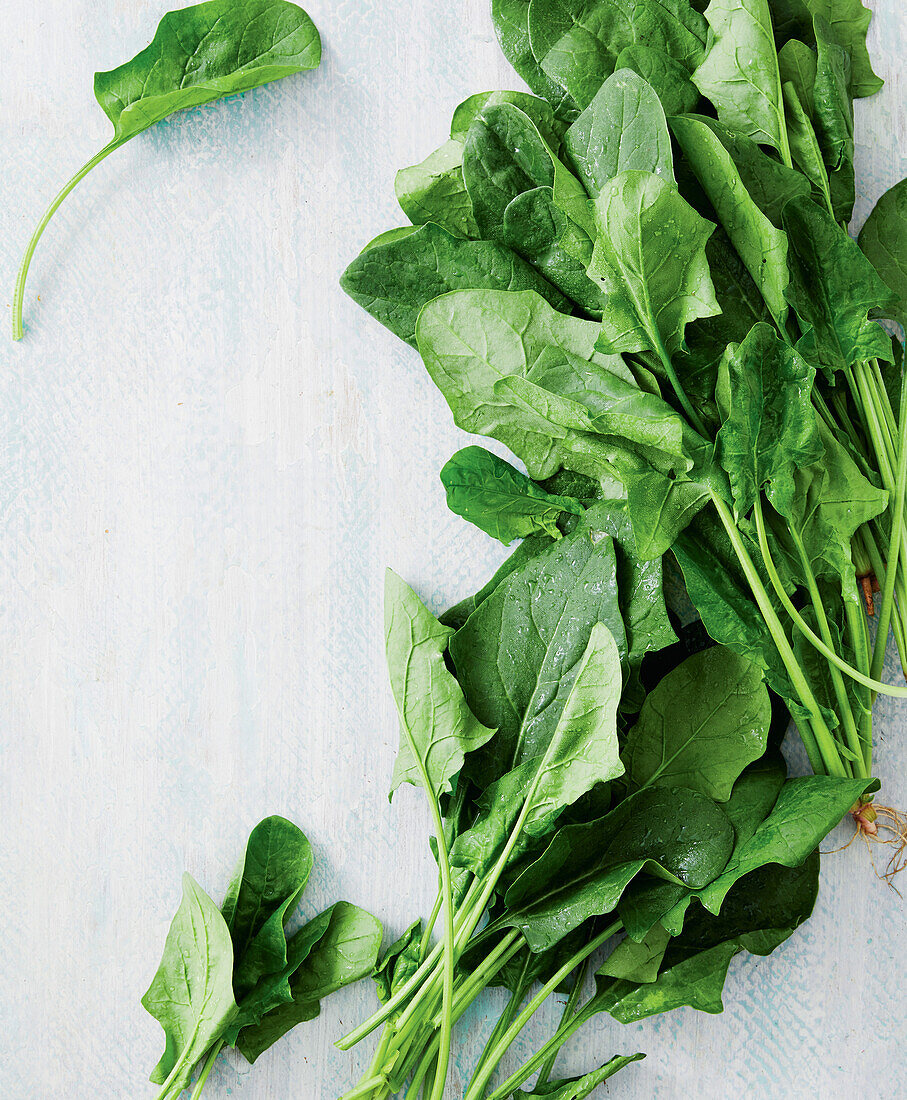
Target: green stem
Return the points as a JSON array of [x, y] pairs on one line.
[[206, 1069], [477, 1087], [896, 551], [19, 293], [506, 1017], [806, 629], [569, 1009], [817, 739]]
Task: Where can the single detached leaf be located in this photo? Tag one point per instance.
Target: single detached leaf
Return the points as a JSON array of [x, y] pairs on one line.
[[578, 1088], [346, 953], [437, 726], [198, 54], [740, 72], [623, 128], [833, 289], [650, 260], [884, 240], [191, 995], [262, 896], [498, 498], [770, 430], [394, 280], [700, 726], [761, 246]]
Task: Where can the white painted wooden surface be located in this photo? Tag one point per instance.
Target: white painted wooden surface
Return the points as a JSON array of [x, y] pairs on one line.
[[209, 455]]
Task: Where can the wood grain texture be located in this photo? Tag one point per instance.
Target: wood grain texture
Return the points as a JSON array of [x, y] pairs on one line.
[[209, 456]]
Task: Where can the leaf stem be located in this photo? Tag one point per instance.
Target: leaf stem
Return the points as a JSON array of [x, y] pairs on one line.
[[569, 1010], [19, 293], [477, 1086], [206, 1069]]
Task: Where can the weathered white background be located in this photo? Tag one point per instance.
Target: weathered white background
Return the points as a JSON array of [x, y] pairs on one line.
[[209, 456]]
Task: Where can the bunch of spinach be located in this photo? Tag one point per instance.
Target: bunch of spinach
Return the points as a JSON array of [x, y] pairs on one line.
[[587, 776], [198, 54], [642, 275], [233, 977]]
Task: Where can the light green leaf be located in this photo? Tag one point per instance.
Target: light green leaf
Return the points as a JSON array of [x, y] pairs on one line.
[[502, 501], [511, 25], [740, 72], [700, 726], [623, 128], [850, 21], [191, 995], [634, 961], [650, 261], [434, 191], [437, 726]]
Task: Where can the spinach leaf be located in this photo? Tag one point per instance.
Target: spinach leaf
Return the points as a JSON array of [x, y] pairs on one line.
[[671, 81], [740, 72], [677, 834], [650, 261], [577, 42], [198, 54], [263, 894], [399, 962], [506, 504], [345, 953], [433, 191], [763, 912], [511, 24], [578, 1088], [191, 995], [770, 430], [637, 961], [393, 280], [701, 726], [623, 128], [519, 653], [884, 241], [437, 727], [849, 21], [834, 288]]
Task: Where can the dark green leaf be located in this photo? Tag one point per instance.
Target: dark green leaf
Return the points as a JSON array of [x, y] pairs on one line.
[[499, 499], [761, 246], [519, 653], [346, 953], [850, 21], [770, 431], [674, 833], [399, 962], [262, 896], [394, 280], [833, 289], [884, 240], [671, 81], [511, 24], [634, 961], [700, 726]]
